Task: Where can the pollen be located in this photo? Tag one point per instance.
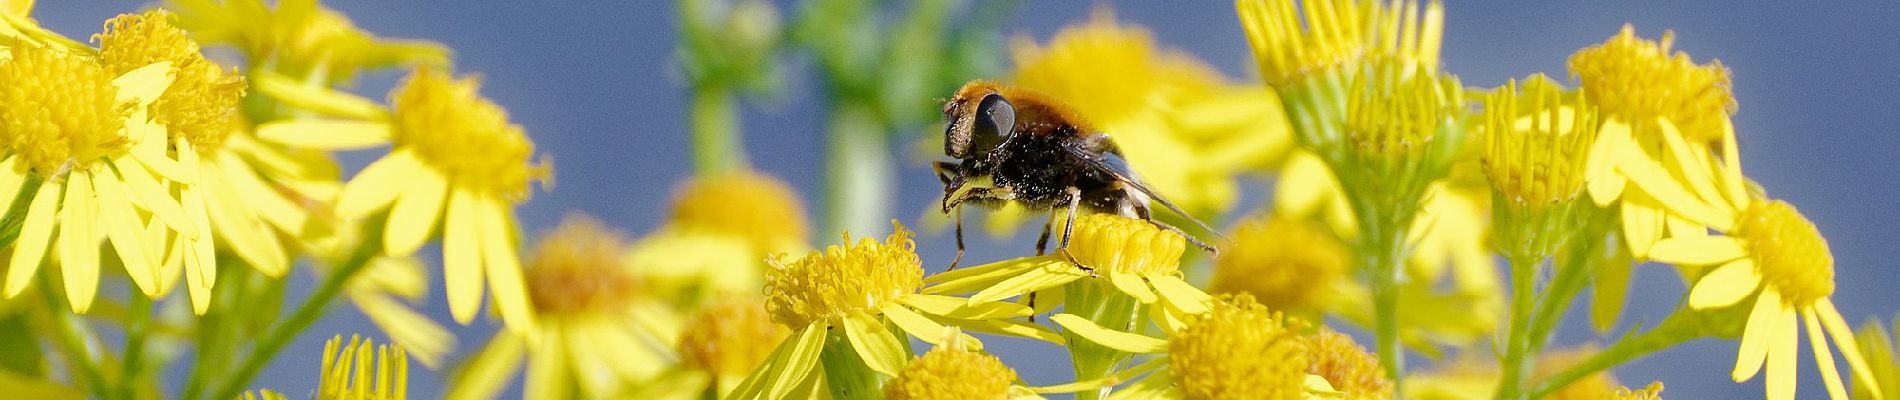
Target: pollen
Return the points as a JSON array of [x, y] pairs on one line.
[[952, 373], [731, 336], [763, 210], [577, 270], [202, 98], [1394, 109], [467, 137], [1639, 80], [847, 279], [1789, 251], [1349, 367], [1287, 264], [1286, 48], [1126, 245], [1239, 350], [1536, 142], [57, 108]]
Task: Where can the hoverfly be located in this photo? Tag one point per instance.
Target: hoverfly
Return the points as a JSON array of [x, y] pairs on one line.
[[1015, 145]]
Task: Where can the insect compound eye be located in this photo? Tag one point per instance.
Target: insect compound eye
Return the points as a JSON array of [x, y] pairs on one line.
[[994, 121]]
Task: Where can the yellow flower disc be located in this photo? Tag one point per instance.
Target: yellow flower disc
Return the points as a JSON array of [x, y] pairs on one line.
[[1239, 350], [56, 107], [1789, 251], [759, 208], [578, 269], [730, 336], [452, 128], [947, 373], [843, 280], [1287, 264], [1536, 143], [202, 98], [1599, 385], [1638, 80], [1394, 110], [1115, 243], [1349, 367]]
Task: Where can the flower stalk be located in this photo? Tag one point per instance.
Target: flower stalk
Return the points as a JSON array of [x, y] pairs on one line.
[[717, 146], [306, 314], [1101, 303]]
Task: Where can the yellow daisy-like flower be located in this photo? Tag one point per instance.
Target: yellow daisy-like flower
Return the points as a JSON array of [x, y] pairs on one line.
[[1235, 350], [1666, 148], [1287, 264], [1136, 258], [596, 328], [1345, 364], [952, 372], [863, 289], [68, 126], [1476, 377], [457, 160], [718, 235], [1164, 108], [1778, 258], [728, 339], [360, 370], [299, 38], [1877, 346]]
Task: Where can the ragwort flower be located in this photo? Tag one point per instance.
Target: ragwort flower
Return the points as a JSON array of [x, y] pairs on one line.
[[1235, 350], [360, 370]]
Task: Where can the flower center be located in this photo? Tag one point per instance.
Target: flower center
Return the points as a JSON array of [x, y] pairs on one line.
[[949, 373], [1127, 245], [1347, 366], [1789, 251], [1394, 109], [1239, 350], [201, 100], [1536, 143], [1288, 264], [56, 108], [451, 127], [843, 280], [763, 210], [1638, 80], [578, 270], [731, 336]]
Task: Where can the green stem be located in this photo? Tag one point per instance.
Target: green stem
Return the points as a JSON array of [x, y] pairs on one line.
[[1518, 356], [1681, 326], [307, 313], [1384, 258], [74, 340], [715, 126], [16, 212], [858, 172], [847, 374], [1570, 278], [1101, 303], [217, 328], [137, 325]]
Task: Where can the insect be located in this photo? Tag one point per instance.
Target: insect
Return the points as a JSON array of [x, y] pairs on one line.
[[1015, 145]]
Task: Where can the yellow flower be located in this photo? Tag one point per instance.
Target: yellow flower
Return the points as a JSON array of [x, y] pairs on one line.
[[360, 370], [1666, 131], [717, 237], [1877, 347], [1776, 256], [69, 127], [596, 328], [299, 38], [1236, 350], [1347, 366], [951, 372], [1335, 33], [1534, 152], [455, 159], [1287, 264], [863, 289], [1470, 377], [1186, 130]]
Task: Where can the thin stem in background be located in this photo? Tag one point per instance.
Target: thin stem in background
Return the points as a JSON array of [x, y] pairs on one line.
[[858, 172], [138, 324], [306, 314], [74, 340], [715, 125]]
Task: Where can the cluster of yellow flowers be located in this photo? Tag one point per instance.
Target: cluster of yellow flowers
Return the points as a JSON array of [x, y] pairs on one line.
[[1397, 187]]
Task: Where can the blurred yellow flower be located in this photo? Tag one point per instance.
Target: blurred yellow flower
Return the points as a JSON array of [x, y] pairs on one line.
[[299, 38], [360, 370], [1877, 347], [1469, 377], [1293, 265], [1236, 350], [70, 126], [456, 159], [720, 231], [1351, 370], [1777, 255], [952, 372], [597, 330]]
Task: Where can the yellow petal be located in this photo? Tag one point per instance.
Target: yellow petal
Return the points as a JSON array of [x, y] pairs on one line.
[[1726, 285], [489, 370], [1180, 295], [240, 229], [960, 308], [547, 377], [314, 97], [798, 363], [79, 242], [1046, 276], [504, 267], [1756, 337], [1110, 338], [122, 229], [1015, 328], [1692, 168], [1782, 351], [201, 255], [199, 288], [1669, 192], [326, 134], [1694, 251], [153, 197], [413, 217], [143, 85], [1302, 184], [1642, 223], [1133, 286], [874, 344], [917, 324], [378, 184], [1844, 338], [970, 279], [1732, 180], [35, 235], [462, 257], [1824, 358], [1600, 176], [265, 202]]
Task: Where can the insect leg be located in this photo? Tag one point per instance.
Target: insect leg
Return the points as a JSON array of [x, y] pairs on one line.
[[1184, 235], [958, 214], [1075, 201], [1042, 240]]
